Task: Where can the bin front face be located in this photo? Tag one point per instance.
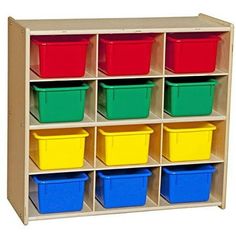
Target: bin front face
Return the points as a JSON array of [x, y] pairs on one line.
[[187, 146], [124, 103], [59, 60], [192, 100], [59, 153], [60, 106], [123, 192], [59, 197], [192, 56], [180, 188], [123, 149], [125, 58]]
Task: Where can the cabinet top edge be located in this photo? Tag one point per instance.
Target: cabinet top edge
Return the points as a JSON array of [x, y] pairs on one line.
[[199, 23]]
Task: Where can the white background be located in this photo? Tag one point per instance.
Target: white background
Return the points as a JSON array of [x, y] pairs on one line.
[[199, 221]]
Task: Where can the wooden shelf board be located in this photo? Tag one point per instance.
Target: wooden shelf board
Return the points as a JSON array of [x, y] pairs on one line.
[[152, 119], [35, 78], [213, 117], [36, 125], [116, 25], [212, 160], [35, 215], [151, 163], [152, 74], [149, 204], [211, 202], [217, 72], [34, 170]]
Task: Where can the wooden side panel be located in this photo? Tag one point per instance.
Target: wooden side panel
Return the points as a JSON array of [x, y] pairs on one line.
[[228, 115], [18, 120]]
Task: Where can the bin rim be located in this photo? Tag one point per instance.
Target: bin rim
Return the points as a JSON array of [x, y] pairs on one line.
[[148, 84], [143, 39], [209, 127], [207, 38], [84, 86], [197, 83], [146, 173], [81, 177], [121, 133], [83, 134], [43, 40], [167, 170]]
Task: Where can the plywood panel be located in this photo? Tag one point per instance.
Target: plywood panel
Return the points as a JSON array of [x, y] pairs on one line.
[[157, 55], [124, 25], [18, 118], [155, 142], [153, 185]]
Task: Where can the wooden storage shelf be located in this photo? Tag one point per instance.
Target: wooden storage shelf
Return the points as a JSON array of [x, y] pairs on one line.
[[214, 116], [35, 78], [213, 159], [211, 202], [102, 121], [151, 74], [217, 72], [34, 170], [21, 123], [35, 215], [36, 125], [149, 204], [151, 163]]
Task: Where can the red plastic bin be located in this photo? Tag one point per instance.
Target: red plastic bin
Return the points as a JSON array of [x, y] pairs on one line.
[[58, 56], [126, 54], [191, 53]]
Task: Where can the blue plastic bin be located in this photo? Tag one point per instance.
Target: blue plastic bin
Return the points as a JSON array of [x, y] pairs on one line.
[[122, 188], [54, 193], [186, 183]]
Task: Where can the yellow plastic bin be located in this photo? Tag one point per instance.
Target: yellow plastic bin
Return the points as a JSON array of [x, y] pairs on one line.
[[123, 145], [187, 141], [58, 148]]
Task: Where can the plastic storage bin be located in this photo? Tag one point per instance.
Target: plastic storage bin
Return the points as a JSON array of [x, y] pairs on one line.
[[187, 141], [58, 149], [191, 52], [123, 145], [128, 54], [122, 188], [189, 97], [58, 102], [58, 56], [125, 99], [54, 193], [181, 184]]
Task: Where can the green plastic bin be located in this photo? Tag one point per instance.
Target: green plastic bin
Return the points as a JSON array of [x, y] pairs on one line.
[[58, 102], [189, 96], [125, 99]]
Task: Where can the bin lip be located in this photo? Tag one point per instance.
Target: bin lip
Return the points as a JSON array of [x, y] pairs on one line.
[[41, 136], [146, 130], [45, 40], [143, 173], [207, 38], [175, 171], [79, 177], [142, 39], [185, 84], [148, 84], [83, 86], [203, 126]]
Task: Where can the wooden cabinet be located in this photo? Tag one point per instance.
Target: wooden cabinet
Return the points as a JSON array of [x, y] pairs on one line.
[[20, 122]]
